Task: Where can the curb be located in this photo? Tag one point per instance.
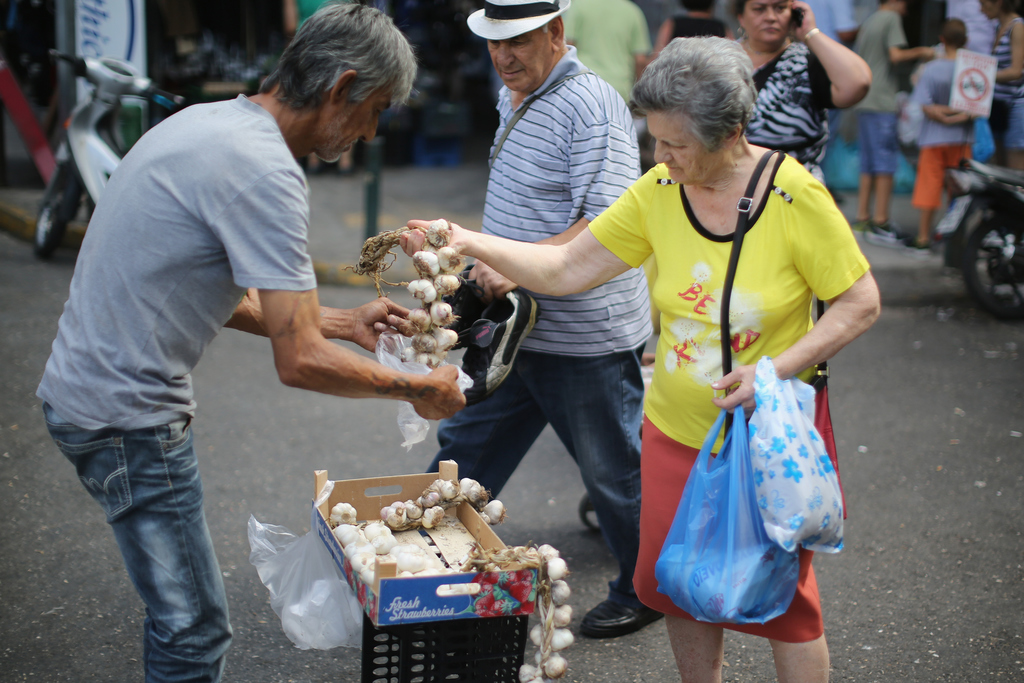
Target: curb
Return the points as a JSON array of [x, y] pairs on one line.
[[22, 225]]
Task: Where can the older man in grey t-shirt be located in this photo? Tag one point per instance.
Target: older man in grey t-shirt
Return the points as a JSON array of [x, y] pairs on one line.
[[204, 226]]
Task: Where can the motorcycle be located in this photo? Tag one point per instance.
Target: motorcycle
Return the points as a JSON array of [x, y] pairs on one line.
[[92, 147], [983, 232]]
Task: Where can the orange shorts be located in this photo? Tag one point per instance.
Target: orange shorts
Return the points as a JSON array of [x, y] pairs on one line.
[[665, 466], [932, 163]]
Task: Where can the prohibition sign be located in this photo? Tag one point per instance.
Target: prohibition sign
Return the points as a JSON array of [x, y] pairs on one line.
[[973, 85]]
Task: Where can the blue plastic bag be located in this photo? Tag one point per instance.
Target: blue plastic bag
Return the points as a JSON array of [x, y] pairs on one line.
[[717, 563], [796, 485], [984, 144]]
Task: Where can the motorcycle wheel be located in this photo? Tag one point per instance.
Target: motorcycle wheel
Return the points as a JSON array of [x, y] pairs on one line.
[[993, 269], [60, 204]]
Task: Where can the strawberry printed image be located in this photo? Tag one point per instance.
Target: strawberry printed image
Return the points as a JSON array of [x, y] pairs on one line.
[[504, 594]]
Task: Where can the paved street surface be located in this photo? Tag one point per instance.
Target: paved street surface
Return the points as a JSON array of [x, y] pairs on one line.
[[928, 409]]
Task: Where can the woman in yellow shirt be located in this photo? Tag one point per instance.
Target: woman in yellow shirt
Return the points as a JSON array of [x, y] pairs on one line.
[[698, 97]]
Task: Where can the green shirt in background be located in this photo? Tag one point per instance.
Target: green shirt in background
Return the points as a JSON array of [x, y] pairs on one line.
[[608, 34], [879, 32], [308, 8]]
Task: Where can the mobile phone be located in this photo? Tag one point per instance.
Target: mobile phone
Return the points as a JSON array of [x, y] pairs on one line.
[[796, 17]]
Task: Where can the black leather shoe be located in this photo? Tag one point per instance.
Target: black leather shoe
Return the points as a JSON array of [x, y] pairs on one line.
[[613, 619]]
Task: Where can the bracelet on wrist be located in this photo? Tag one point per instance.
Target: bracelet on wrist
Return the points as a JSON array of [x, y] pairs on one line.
[[813, 32]]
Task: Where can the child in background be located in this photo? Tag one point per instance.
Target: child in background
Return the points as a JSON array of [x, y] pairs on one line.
[[881, 43], [946, 134]]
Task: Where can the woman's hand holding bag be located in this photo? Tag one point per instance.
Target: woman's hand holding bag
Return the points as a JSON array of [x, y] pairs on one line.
[[718, 563], [797, 487]]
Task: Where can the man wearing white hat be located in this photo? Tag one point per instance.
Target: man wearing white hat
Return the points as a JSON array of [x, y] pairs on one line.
[[564, 151]]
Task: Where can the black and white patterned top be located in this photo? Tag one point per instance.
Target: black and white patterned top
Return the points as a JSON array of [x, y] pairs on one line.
[[790, 114]]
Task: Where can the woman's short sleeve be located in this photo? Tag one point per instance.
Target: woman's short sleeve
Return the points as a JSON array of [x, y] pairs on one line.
[[622, 227]]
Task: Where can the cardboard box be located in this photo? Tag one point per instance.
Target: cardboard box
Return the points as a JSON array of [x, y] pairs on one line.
[[391, 600]]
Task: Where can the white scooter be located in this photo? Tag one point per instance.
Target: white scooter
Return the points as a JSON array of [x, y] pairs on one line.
[[93, 147]]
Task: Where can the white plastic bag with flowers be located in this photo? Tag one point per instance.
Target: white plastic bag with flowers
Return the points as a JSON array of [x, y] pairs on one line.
[[797, 487]]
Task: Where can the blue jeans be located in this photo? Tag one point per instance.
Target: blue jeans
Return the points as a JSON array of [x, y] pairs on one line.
[[595, 405], [147, 482]]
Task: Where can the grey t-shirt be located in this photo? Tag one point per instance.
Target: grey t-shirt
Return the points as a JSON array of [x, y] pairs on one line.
[[208, 203], [882, 30], [933, 87]]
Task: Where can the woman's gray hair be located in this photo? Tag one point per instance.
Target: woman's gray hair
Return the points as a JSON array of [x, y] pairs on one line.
[[706, 81], [337, 38]]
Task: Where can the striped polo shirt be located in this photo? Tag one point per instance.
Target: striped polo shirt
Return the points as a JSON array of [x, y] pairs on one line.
[[569, 157]]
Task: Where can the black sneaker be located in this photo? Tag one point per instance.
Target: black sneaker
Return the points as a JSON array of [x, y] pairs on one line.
[[467, 306], [493, 341]]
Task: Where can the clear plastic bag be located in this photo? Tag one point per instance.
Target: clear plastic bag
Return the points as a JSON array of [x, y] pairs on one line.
[[797, 486], [390, 346], [317, 607], [717, 563]]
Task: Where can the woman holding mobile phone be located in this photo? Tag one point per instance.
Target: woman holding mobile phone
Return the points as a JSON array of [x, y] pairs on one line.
[[799, 73]]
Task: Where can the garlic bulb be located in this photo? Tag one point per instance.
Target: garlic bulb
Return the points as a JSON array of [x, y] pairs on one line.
[[423, 290], [561, 638], [430, 499], [562, 616], [383, 544], [560, 592], [557, 569], [343, 513], [441, 313], [445, 338], [449, 490], [547, 552], [359, 547], [450, 260], [425, 342], [412, 510], [537, 635], [346, 533], [447, 284], [439, 233], [409, 353], [528, 673], [367, 575], [396, 518], [375, 529], [410, 562], [426, 264], [361, 561], [555, 666], [433, 517], [495, 512], [420, 317]]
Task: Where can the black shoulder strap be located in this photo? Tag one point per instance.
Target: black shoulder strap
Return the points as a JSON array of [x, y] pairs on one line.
[[526, 105], [744, 207]]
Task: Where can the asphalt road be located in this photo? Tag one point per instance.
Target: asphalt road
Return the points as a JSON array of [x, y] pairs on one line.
[[928, 409]]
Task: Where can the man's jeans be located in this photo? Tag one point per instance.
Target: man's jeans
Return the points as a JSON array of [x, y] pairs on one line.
[[595, 405], [147, 481]]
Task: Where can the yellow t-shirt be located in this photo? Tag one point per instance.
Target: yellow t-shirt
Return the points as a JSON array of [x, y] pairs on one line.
[[798, 244]]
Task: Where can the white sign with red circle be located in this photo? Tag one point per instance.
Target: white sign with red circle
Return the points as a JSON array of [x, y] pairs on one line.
[[974, 78]]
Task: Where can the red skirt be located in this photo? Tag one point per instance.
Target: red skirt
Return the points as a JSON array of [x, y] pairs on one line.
[[664, 468]]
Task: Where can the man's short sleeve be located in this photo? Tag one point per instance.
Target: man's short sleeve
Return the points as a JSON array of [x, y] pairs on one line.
[[844, 19], [894, 36], [265, 233], [641, 37]]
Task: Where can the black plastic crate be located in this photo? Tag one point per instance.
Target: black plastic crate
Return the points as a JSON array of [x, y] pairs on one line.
[[488, 650]]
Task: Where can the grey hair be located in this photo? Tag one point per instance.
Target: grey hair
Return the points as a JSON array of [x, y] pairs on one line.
[[337, 38], [708, 82]]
